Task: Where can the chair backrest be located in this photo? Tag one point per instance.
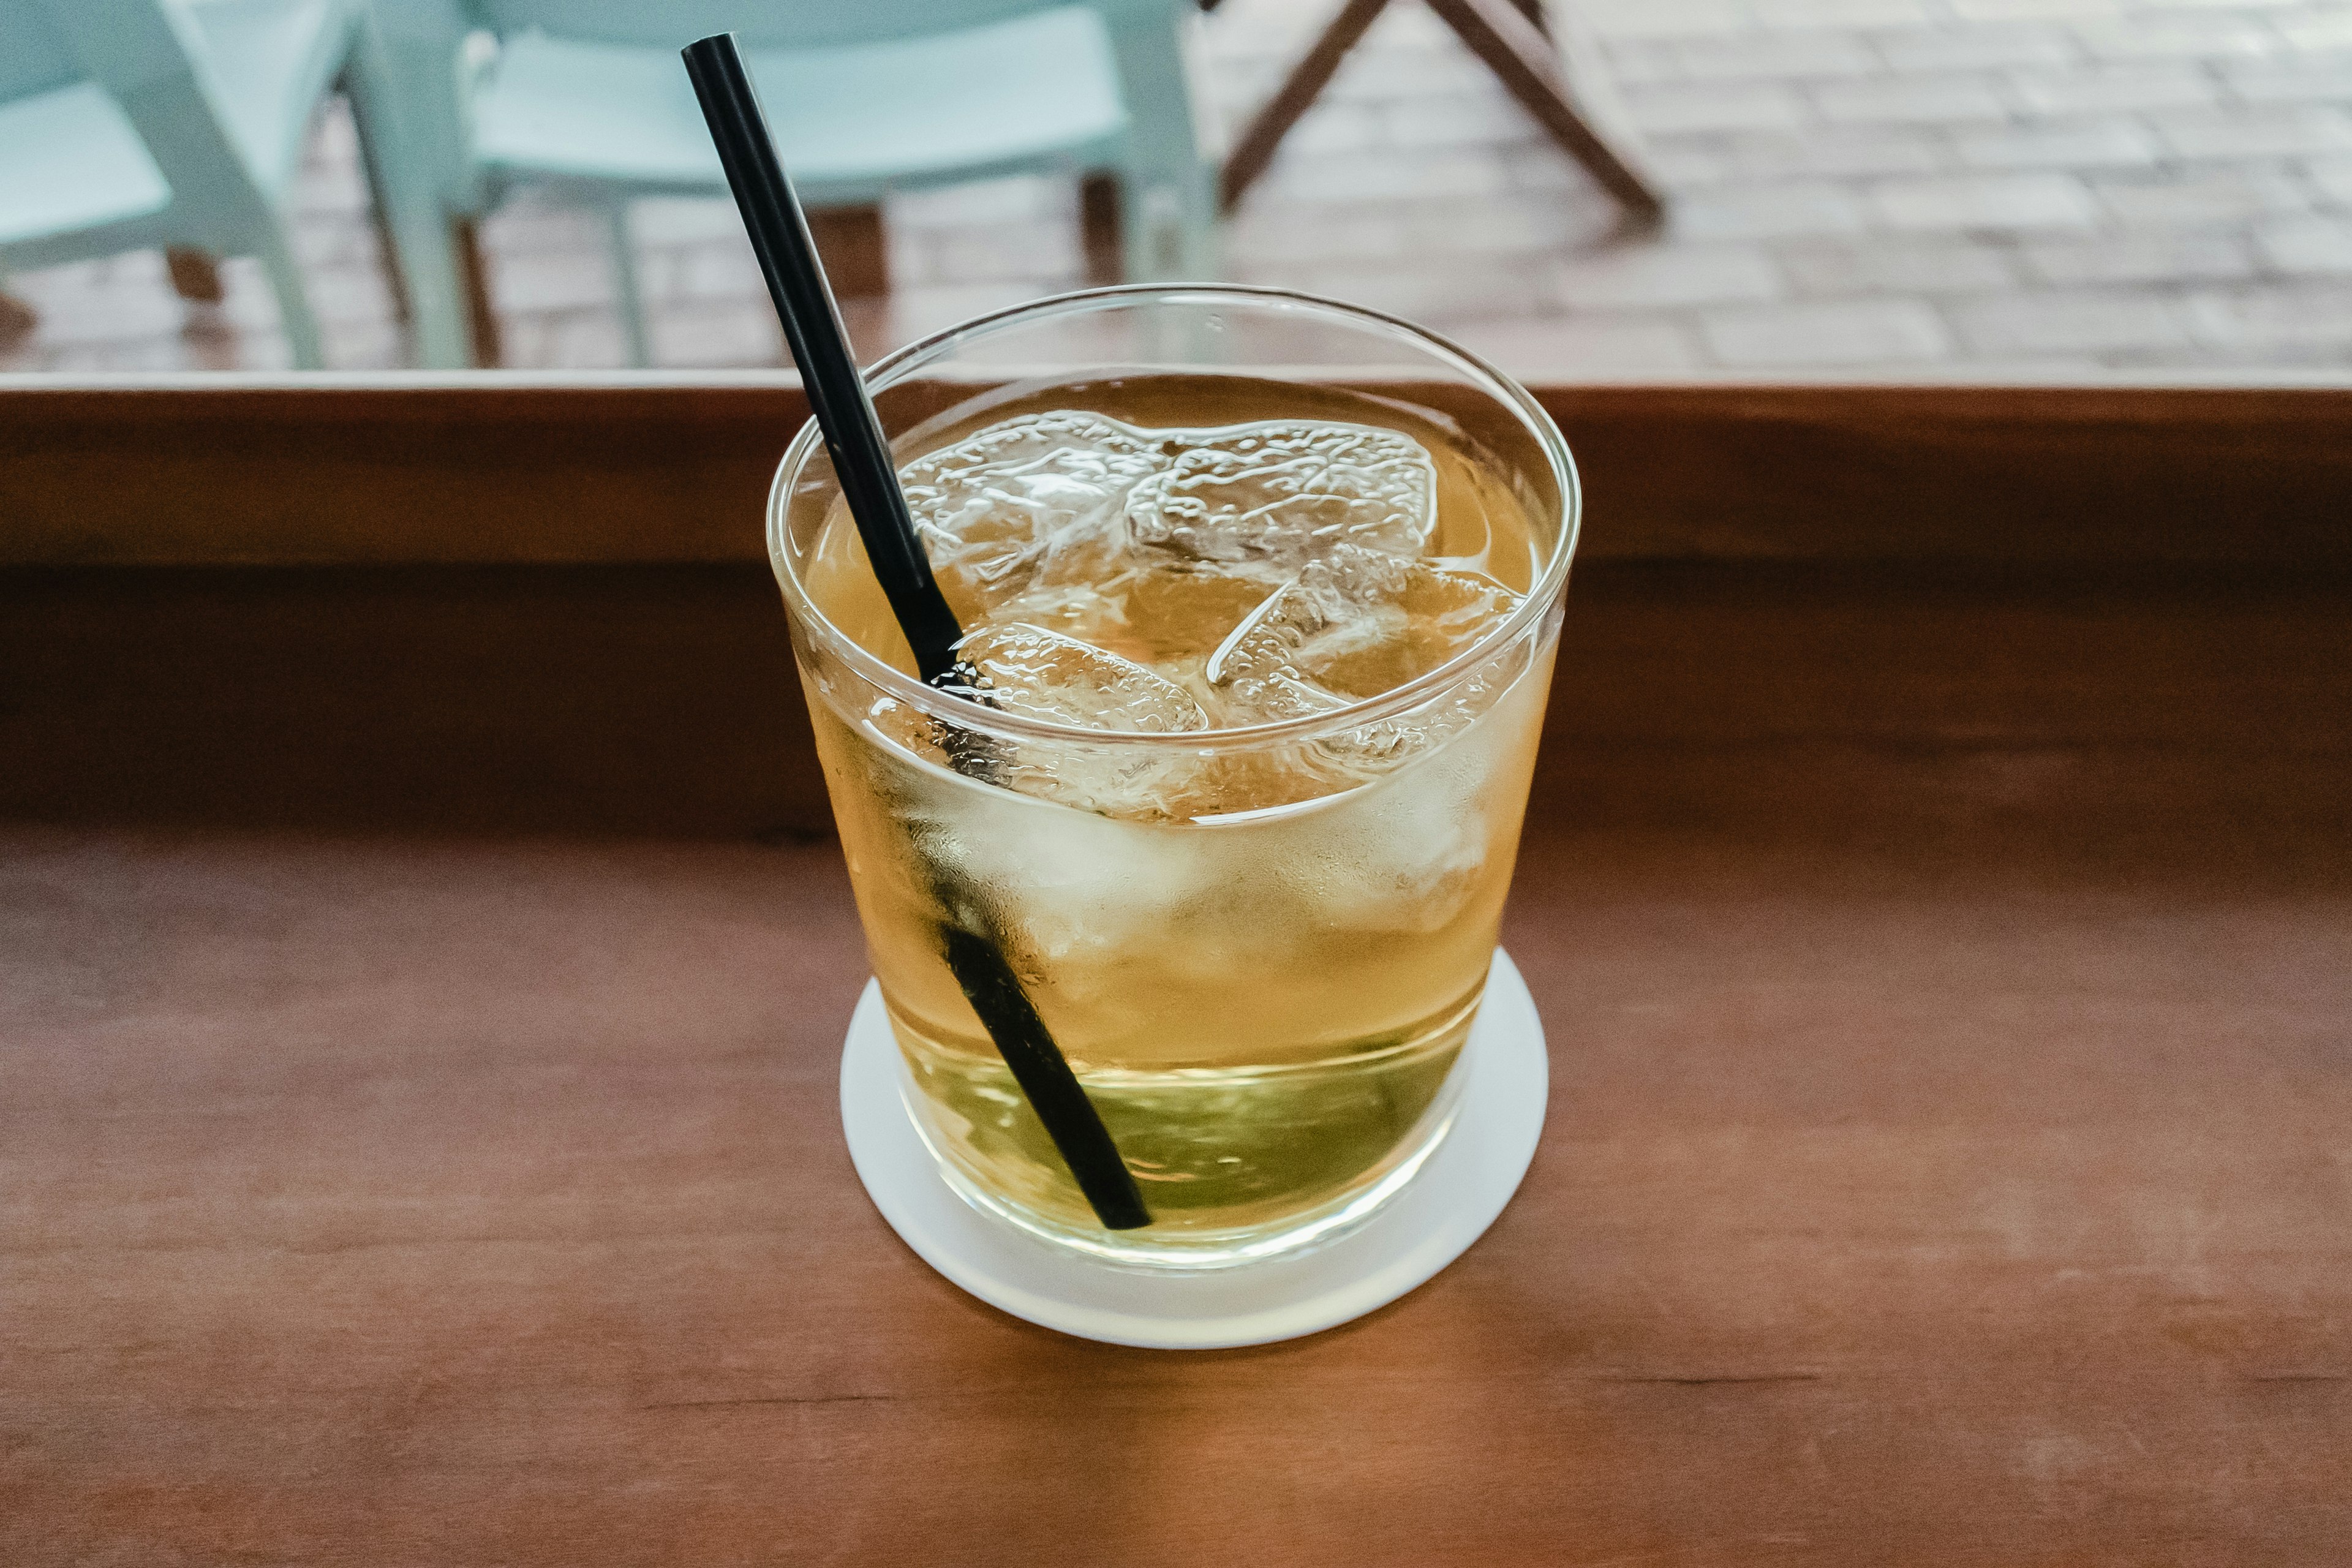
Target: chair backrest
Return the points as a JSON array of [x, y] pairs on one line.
[[149, 57], [761, 23]]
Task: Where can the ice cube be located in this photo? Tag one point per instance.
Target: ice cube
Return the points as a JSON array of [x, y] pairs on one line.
[[1353, 625], [1041, 674], [1287, 491], [1039, 499]]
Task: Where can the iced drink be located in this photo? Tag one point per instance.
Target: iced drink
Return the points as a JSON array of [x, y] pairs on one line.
[[1245, 857]]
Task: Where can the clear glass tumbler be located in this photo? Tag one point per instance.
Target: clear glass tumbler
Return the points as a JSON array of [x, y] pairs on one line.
[[1259, 947]]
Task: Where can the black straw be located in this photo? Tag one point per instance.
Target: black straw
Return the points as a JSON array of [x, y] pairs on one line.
[[861, 457], [870, 483]]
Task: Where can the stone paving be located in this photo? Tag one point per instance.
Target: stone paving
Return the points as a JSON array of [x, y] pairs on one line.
[[1859, 186]]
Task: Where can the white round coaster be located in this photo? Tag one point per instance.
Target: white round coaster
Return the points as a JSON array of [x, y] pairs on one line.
[[1444, 1208]]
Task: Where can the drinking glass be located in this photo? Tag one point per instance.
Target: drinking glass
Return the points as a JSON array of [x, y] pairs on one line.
[[1260, 948]]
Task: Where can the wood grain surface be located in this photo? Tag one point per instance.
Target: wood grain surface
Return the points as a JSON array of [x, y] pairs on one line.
[[515, 470], [1947, 1161], [421, 988]]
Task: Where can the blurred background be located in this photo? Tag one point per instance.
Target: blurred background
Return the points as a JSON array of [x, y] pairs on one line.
[[1850, 186]]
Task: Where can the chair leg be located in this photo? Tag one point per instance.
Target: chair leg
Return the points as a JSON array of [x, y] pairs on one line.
[[626, 296], [1524, 59], [17, 319], [1099, 228], [1168, 191], [1297, 93], [195, 275], [294, 306], [418, 260], [474, 272], [855, 244]]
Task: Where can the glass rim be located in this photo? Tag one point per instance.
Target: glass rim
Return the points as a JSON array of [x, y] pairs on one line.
[[965, 715]]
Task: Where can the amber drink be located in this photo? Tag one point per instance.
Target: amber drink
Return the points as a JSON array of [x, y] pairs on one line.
[[1260, 596]]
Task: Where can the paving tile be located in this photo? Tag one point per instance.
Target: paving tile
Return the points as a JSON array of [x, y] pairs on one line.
[[1883, 266], [2262, 82], [1471, 225], [716, 269], [1614, 19], [77, 311], [2255, 134], [1344, 127], [535, 226], [1983, 48], [1766, 211], [1649, 275], [1464, 288], [1802, 54], [1912, 100], [1393, 175], [740, 332], [684, 220], [1803, 14], [1986, 201], [1837, 151], [2207, 196], [2115, 88], [2274, 323], [1745, 106], [2307, 246], [2063, 144], [2316, 29], [1684, 163], [551, 279], [2153, 257], [1266, 235], [2333, 179], [1451, 120], [1856, 332], [2146, 35], [1861, 186], [1554, 345], [1542, 168], [2011, 10], [1638, 62], [2073, 320], [585, 339]]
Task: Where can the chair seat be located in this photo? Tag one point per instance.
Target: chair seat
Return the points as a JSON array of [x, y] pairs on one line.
[[272, 60], [73, 163], [846, 119]]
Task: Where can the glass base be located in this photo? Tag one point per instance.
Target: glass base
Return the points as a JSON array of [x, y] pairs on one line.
[[1461, 1185], [1200, 1250]]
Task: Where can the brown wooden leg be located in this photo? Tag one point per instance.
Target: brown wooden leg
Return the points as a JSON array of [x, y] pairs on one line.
[[472, 268], [1099, 228], [18, 319], [856, 247], [1307, 79], [195, 274], [1522, 59]]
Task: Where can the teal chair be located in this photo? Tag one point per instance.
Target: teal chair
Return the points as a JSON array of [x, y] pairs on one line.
[[588, 98], [179, 125]]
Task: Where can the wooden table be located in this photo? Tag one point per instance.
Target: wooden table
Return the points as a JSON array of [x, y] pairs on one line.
[[422, 962]]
